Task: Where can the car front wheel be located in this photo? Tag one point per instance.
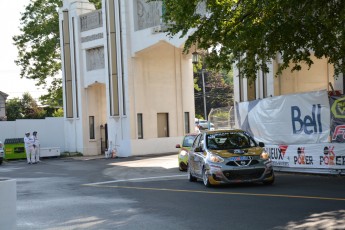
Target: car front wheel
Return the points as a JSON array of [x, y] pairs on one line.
[[269, 182], [205, 178], [191, 178]]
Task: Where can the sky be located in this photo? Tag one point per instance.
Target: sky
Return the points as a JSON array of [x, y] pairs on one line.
[[10, 81]]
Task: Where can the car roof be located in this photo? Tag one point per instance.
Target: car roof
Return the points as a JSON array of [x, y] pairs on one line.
[[225, 130], [191, 134]]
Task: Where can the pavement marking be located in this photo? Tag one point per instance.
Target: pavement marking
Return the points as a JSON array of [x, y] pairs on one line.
[[134, 179], [101, 184], [167, 162]]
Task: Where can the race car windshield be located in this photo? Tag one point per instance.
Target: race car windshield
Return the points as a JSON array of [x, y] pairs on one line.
[[224, 141]]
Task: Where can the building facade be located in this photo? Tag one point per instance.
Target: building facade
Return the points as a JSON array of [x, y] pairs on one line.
[[127, 86], [319, 77], [3, 98]]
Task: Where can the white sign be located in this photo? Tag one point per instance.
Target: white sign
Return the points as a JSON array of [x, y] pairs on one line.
[[288, 119]]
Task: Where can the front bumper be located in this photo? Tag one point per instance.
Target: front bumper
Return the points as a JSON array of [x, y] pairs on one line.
[[240, 174]]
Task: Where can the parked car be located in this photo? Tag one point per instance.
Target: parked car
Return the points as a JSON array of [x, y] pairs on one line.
[[229, 156], [183, 150], [203, 125], [2, 154]]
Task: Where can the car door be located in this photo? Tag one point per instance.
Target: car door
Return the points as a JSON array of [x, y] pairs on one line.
[[199, 156], [192, 154]]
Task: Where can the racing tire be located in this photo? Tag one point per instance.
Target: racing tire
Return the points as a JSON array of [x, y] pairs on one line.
[[269, 182], [182, 167], [191, 178], [205, 179]]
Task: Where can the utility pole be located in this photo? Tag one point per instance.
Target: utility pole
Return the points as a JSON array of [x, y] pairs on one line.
[[204, 92]]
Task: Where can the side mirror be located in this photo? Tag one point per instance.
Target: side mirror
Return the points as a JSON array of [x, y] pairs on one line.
[[261, 144], [178, 146]]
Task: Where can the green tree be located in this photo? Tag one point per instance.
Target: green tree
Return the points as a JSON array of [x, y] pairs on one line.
[[30, 108], [14, 109], [58, 113], [251, 32], [38, 47], [24, 108], [218, 91]]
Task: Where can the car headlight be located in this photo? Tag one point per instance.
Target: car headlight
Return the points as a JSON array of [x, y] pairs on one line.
[[183, 153], [215, 159], [265, 155]]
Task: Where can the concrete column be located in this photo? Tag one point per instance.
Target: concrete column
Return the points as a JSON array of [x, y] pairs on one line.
[[8, 202]]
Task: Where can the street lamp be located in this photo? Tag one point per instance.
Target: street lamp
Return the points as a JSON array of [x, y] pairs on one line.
[[195, 60]]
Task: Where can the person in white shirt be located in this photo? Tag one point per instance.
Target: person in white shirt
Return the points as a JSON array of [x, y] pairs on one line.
[[29, 148], [36, 147]]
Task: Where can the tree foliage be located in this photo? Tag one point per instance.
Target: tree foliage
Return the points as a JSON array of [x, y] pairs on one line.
[[13, 109], [38, 46], [24, 108], [251, 32], [218, 91]]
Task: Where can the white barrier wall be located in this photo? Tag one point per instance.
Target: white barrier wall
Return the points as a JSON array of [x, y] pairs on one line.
[[302, 118], [50, 130], [318, 158]]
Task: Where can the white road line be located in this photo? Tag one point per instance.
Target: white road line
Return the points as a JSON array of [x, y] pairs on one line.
[[134, 179]]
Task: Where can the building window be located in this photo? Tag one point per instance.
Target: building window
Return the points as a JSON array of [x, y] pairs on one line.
[[186, 122], [264, 84], [92, 127], [140, 126], [75, 71], [67, 66], [163, 124], [113, 63]]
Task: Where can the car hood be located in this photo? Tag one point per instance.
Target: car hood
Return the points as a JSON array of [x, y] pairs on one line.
[[255, 151]]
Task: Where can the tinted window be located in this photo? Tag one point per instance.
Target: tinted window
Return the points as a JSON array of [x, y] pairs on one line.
[[196, 141]]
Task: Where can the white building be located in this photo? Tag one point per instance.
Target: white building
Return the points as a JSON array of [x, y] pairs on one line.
[[126, 84]]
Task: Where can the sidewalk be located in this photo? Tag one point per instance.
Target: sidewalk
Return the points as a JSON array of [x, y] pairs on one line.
[[96, 157]]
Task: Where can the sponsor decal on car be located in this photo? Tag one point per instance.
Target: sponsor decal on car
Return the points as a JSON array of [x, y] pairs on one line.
[[241, 158]]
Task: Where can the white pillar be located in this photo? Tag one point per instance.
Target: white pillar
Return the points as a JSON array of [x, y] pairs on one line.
[[8, 200]]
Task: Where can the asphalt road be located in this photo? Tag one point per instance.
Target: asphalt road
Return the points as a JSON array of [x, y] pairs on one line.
[[151, 193]]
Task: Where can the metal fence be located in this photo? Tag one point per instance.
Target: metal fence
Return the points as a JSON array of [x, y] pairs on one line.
[[222, 118]]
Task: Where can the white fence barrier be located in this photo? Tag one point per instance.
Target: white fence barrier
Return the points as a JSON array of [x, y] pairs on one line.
[[50, 130], [50, 152], [326, 158]]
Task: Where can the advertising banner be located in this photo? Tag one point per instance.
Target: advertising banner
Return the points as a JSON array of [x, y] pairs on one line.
[[302, 118], [313, 156], [337, 118]]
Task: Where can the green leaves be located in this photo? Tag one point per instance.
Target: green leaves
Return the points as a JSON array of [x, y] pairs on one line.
[[24, 108], [251, 32], [38, 46]]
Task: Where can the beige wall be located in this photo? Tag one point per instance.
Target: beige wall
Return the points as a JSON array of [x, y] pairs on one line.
[[96, 106], [315, 78], [162, 83]]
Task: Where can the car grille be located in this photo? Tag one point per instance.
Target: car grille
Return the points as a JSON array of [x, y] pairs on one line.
[[247, 174], [242, 163]]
